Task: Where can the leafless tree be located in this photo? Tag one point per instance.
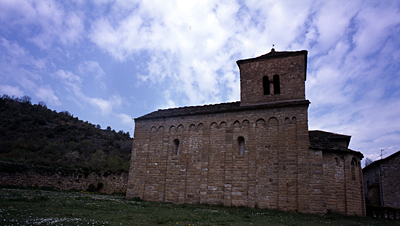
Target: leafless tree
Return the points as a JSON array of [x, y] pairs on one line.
[[368, 161]]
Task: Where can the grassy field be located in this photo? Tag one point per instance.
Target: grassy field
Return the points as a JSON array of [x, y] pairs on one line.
[[42, 207]]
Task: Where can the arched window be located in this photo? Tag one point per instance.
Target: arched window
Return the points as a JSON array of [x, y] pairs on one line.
[[266, 85], [353, 168], [176, 146], [277, 85], [241, 145]]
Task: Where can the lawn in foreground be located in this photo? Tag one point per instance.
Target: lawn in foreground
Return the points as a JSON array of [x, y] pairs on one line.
[[42, 207]]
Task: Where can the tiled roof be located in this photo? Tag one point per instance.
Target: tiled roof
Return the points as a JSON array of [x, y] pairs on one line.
[[215, 108], [278, 54], [322, 140], [274, 54]]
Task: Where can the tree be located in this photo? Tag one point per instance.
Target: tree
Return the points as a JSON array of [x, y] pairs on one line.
[[25, 100], [115, 163], [42, 104], [66, 113], [368, 161], [6, 97], [108, 128], [97, 159], [72, 156]]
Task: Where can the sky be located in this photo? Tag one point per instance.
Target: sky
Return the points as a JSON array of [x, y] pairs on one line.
[[107, 61]]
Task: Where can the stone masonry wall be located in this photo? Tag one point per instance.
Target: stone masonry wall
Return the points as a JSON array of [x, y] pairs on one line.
[[342, 184], [112, 182], [371, 185], [277, 169], [390, 179]]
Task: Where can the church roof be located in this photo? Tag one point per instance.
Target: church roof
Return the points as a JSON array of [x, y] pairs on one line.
[[324, 135], [277, 54], [216, 108], [327, 141], [274, 54]]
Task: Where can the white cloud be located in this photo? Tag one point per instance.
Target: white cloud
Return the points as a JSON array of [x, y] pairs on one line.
[[74, 83], [68, 76], [19, 66], [331, 25], [94, 70], [13, 49], [374, 24], [125, 119], [182, 42], [52, 23], [193, 45], [106, 107], [91, 67], [46, 94], [18, 56], [11, 90], [352, 82]]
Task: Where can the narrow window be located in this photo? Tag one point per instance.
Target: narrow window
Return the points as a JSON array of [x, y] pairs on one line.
[[176, 146], [353, 169], [266, 85], [277, 85], [241, 145]]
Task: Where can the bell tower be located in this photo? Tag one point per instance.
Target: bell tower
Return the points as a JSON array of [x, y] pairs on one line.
[[273, 77]]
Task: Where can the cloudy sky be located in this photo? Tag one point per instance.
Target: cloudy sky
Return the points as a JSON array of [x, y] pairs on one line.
[[110, 61]]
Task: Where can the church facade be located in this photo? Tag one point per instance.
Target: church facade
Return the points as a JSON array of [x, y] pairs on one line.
[[257, 152]]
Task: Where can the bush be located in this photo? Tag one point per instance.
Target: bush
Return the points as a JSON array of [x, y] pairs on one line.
[[114, 163], [136, 199], [100, 186], [91, 188]]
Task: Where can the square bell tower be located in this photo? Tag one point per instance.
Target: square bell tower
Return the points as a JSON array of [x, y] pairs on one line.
[[273, 77]]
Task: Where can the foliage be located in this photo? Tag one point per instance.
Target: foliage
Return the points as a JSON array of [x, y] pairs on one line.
[[368, 161], [92, 188], [33, 134], [39, 207]]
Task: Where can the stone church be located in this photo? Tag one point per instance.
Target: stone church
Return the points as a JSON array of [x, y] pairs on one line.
[[257, 152]]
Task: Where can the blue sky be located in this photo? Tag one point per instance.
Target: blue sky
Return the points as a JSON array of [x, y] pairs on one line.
[[110, 61]]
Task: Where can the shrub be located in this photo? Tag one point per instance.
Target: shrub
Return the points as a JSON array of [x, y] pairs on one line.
[[91, 188]]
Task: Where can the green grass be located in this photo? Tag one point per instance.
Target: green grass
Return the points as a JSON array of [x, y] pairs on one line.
[[43, 207]]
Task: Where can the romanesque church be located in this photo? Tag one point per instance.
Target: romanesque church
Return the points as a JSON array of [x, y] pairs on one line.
[[257, 152]]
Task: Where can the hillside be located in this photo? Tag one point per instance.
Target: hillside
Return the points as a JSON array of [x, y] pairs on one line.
[[33, 134]]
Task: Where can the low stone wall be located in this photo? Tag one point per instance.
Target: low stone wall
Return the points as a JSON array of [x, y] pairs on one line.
[[17, 174]]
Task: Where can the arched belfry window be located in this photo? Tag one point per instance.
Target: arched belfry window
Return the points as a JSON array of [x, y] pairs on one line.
[[266, 85], [241, 145], [277, 85], [176, 146]]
